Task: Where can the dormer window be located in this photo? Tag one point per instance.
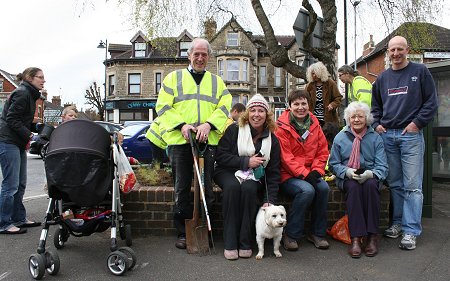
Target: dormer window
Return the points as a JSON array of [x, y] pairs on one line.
[[184, 46], [232, 39], [139, 50]]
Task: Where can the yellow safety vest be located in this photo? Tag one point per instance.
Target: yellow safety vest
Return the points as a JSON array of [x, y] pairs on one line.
[[361, 90], [182, 101], [154, 135]]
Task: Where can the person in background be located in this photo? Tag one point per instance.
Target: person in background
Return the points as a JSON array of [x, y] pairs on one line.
[[404, 101], [158, 144], [304, 154], [192, 100], [358, 146], [16, 127], [69, 113], [244, 148], [360, 89], [325, 98], [235, 112]]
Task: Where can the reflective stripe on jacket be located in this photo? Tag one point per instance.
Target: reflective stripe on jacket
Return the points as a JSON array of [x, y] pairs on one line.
[[154, 135], [182, 101], [361, 90]]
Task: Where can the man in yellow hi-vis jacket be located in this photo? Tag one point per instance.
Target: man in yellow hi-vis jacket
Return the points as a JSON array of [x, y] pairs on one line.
[[191, 99], [360, 89]]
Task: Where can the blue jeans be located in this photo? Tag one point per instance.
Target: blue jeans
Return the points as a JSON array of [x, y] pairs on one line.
[[304, 195], [14, 169], [405, 156]]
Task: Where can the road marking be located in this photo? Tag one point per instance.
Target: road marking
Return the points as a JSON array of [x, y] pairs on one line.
[[4, 275], [29, 198]]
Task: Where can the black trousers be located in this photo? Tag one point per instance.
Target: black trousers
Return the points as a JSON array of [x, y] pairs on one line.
[[363, 207], [239, 207], [182, 163]]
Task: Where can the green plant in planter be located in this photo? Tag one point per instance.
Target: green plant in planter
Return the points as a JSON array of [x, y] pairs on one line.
[[154, 175]]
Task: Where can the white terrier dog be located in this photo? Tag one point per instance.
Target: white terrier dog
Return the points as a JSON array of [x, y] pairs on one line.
[[269, 224]]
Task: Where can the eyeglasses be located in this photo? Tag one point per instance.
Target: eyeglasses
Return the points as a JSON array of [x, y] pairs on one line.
[[340, 74], [40, 77]]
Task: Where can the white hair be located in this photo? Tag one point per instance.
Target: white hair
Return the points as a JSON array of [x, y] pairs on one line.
[[353, 107]]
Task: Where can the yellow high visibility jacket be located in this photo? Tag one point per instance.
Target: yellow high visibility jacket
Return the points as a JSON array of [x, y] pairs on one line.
[[154, 135], [360, 90], [181, 100]]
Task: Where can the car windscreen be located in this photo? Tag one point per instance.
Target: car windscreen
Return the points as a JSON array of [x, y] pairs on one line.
[[132, 130]]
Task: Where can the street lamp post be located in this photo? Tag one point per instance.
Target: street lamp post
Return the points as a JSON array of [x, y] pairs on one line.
[[355, 3], [104, 45], [346, 49]]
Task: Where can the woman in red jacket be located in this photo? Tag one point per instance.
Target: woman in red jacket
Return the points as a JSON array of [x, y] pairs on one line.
[[304, 153]]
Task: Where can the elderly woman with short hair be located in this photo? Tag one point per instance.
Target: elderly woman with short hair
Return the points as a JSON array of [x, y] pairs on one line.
[[359, 162]]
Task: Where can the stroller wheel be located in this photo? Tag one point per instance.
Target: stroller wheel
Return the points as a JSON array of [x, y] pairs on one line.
[[52, 263], [130, 254], [60, 237], [36, 265], [118, 263], [125, 234]]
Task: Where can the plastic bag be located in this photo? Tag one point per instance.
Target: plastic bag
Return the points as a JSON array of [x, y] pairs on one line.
[[127, 178], [339, 230]]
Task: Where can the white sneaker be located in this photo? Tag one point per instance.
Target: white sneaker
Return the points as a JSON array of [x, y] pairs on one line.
[[408, 242]]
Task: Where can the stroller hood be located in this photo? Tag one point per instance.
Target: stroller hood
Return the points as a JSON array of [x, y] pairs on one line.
[[78, 163]]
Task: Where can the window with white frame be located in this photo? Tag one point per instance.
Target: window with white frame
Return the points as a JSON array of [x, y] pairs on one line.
[[300, 81], [278, 112], [158, 84], [134, 84], [220, 68], [232, 39], [277, 71], [111, 85], [263, 76], [233, 70], [1, 85], [184, 46], [244, 70], [139, 50]]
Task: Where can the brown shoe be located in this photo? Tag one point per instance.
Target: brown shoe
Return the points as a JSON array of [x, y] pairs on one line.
[[181, 242], [289, 244], [319, 242], [354, 250], [372, 245]]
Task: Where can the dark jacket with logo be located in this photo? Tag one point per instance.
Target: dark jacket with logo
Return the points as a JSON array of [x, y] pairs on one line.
[[16, 122]]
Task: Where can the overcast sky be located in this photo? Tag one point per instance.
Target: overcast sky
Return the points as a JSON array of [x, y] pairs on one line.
[[61, 37]]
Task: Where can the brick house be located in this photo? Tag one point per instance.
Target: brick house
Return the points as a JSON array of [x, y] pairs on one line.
[[375, 60], [8, 83], [135, 72]]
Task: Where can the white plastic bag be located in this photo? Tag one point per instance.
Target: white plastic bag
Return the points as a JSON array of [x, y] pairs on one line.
[[127, 178]]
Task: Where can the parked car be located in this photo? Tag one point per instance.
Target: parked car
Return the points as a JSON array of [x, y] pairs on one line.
[[136, 122], [109, 126], [135, 144], [37, 146]]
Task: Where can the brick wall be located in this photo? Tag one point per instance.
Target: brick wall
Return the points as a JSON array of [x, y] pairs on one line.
[[149, 210]]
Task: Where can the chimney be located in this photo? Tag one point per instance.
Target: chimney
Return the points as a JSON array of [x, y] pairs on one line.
[[210, 27], [56, 100], [369, 46]]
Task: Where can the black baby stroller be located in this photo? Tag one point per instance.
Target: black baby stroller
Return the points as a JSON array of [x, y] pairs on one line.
[[83, 186]]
